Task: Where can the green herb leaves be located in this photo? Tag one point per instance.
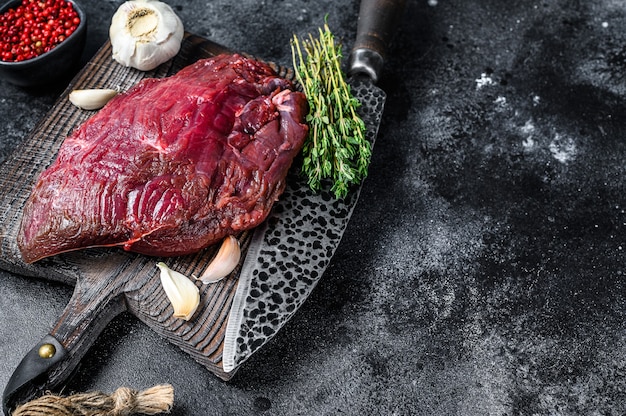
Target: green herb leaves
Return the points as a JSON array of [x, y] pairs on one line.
[[336, 147]]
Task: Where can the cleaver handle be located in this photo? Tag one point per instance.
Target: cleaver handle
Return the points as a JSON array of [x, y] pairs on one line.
[[378, 21], [52, 361]]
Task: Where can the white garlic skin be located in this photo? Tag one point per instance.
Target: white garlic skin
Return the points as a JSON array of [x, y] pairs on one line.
[[183, 294], [224, 262], [145, 33], [91, 99]]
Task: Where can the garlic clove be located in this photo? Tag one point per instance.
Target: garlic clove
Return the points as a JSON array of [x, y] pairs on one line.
[[91, 99], [145, 34], [146, 56], [224, 262], [181, 291], [123, 51], [168, 20]]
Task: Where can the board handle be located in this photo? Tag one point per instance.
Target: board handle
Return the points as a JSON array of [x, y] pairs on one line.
[[50, 363], [378, 21]]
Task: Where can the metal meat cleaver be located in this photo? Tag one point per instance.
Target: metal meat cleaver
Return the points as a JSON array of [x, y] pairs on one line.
[[288, 255], [282, 262]]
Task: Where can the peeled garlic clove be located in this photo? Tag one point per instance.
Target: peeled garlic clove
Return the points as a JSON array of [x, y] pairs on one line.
[[145, 33], [181, 291], [91, 99], [224, 261]]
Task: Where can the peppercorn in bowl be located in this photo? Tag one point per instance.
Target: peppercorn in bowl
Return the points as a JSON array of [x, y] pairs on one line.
[[41, 41]]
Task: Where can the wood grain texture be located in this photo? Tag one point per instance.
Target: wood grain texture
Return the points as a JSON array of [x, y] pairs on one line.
[[110, 281]]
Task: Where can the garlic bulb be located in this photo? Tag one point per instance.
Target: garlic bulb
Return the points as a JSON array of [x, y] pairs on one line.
[[145, 33], [91, 99], [224, 261], [181, 291]]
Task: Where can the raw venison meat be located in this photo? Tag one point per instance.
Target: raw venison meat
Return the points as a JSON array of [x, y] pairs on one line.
[[171, 166]]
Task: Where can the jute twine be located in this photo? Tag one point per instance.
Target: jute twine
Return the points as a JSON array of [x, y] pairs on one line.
[[123, 402]]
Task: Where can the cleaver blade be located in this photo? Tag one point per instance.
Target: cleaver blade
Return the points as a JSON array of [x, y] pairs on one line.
[[289, 253]]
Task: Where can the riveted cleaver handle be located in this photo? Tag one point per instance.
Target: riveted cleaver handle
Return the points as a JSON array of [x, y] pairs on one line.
[[28, 377], [51, 362], [378, 20]]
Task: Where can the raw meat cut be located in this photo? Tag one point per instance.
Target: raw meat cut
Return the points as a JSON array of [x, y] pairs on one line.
[[171, 166]]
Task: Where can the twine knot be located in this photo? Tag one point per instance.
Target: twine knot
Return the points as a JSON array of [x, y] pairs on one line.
[[125, 402]]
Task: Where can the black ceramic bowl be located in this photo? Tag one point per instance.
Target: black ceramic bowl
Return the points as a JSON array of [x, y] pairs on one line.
[[50, 66]]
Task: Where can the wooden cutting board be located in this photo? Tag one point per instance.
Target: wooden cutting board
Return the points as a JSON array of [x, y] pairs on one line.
[[109, 281]]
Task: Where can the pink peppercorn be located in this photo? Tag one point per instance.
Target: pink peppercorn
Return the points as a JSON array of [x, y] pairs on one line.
[[35, 27]]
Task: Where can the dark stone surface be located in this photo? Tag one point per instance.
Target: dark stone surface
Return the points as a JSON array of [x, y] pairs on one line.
[[483, 271]]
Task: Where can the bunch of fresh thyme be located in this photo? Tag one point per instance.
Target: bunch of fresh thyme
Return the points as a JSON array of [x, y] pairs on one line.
[[336, 147]]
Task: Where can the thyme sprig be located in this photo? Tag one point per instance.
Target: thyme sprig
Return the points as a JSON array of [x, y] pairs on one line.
[[336, 147]]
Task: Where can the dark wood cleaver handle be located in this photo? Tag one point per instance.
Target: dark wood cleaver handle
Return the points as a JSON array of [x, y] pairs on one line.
[[96, 300], [378, 20]]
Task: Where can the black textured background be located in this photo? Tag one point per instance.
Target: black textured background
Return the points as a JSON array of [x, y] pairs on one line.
[[483, 271]]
